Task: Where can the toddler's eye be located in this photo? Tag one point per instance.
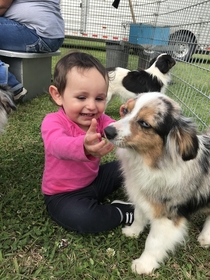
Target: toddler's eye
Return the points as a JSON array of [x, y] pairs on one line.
[[100, 98], [81, 97]]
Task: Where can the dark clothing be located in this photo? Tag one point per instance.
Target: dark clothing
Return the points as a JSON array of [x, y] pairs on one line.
[[81, 210]]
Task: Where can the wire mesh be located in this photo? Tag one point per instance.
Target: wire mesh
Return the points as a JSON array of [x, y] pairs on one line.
[[137, 30]]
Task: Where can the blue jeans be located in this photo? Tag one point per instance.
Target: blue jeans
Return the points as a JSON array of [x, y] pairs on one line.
[[3, 73], [81, 210], [7, 78], [14, 83], [17, 37]]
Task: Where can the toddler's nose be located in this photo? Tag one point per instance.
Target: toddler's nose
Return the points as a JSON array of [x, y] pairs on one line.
[[91, 105]]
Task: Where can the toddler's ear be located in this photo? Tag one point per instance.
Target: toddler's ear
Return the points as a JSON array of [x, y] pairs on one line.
[[55, 95]]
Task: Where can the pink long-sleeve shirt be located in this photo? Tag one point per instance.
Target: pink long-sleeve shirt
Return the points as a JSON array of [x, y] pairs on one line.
[[67, 168]]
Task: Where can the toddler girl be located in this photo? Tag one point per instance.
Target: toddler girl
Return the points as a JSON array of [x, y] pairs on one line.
[[74, 183]]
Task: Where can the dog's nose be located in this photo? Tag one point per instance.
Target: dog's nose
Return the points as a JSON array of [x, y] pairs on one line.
[[110, 132]]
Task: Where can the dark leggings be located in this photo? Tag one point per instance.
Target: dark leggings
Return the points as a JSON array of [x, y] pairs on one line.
[[82, 210]]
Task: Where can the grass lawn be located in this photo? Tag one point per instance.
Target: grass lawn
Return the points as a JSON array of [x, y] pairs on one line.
[[34, 247]]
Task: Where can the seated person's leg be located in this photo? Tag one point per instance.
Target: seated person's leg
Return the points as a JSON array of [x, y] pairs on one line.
[[17, 87]]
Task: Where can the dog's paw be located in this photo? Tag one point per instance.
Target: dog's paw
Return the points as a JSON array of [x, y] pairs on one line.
[[204, 236], [204, 239], [144, 267], [130, 231]]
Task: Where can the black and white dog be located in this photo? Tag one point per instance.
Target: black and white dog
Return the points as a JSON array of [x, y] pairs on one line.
[[6, 105], [127, 84]]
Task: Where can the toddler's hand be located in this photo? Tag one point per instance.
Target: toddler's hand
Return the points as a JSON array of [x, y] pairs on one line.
[[92, 144]]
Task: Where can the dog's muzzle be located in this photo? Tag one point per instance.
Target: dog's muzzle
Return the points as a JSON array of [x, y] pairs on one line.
[[110, 132]]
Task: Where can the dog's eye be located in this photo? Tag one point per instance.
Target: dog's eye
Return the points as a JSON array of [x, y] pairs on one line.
[[125, 111], [144, 124]]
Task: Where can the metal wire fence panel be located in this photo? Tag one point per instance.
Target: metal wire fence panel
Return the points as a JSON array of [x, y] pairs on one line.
[[134, 31]]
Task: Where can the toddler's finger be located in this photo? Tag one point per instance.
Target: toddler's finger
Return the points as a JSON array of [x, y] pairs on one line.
[[93, 125], [92, 138]]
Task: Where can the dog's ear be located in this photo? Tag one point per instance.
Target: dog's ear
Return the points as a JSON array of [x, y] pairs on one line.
[[6, 99], [164, 63], [171, 61], [183, 139], [127, 108], [152, 61]]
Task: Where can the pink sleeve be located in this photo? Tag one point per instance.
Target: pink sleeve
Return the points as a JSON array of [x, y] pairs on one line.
[[105, 120], [59, 144]]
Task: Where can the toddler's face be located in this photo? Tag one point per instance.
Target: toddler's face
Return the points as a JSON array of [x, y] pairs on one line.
[[84, 97]]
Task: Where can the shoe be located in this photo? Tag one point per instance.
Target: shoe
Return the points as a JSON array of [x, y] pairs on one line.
[[20, 93], [126, 210]]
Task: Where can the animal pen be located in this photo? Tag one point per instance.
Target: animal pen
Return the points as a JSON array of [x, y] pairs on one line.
[[128, 33]]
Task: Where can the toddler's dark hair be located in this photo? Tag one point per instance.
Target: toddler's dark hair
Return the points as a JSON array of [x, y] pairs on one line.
[[77, 59]]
